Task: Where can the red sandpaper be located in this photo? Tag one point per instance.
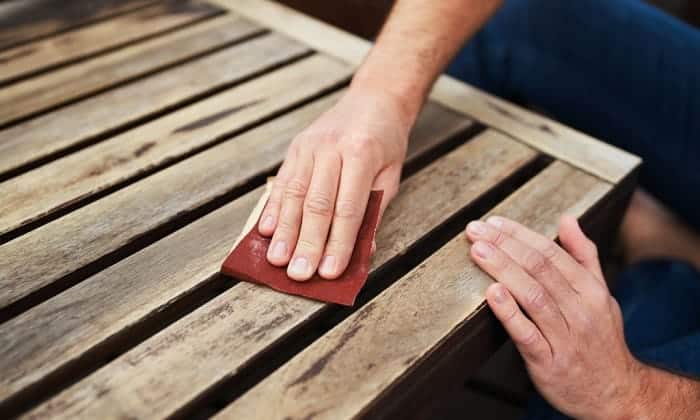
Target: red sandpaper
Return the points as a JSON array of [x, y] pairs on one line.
[[248, 261]]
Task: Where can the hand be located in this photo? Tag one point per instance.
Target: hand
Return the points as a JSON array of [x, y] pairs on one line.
[[572, 338], [319, 196]]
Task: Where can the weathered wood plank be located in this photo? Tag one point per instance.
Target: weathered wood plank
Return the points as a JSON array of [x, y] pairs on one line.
[[100, 37], [61, 85], [223, 336], [23, 21], [555, 139], [50, 187], [74, 322], [103, 113], [346, 371]]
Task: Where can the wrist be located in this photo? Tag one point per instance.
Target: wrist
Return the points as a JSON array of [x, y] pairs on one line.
[[405, 99], [640, 390]]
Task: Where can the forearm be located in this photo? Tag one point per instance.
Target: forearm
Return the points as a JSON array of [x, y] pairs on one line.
[[665, 396], [416, 44]]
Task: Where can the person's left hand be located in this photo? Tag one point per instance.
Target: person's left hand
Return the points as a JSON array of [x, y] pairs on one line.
[[572, 337]]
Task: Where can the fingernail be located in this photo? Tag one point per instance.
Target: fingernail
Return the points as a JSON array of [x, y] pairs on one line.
[[299, 266], [327, 265], [499, 294], [476, 228], [483, 250], [268, 223], [495, 221], [279, 250]]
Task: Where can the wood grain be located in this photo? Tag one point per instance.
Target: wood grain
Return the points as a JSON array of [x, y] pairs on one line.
[[221, 337], [42, 92], [47, 254], [564, 143], [108, 111], [353, 366], [100, 37], [50, 187], [23, 21]]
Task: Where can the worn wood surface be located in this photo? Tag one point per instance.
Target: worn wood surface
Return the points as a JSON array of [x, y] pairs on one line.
[[100, 37], [345, 372], [555, 139], [224, 335], [149, 146], [59, 86], [108, 111], [27, 20]]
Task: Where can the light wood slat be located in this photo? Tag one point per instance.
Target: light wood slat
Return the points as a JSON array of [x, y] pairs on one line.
[[139, 286], [23, 21], [100, 37], [79, 122], [78, 80], [53, 186], [553, 138], [248, 319], [349, 368]]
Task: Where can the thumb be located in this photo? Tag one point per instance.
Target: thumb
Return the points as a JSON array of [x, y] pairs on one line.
[[579, 246]]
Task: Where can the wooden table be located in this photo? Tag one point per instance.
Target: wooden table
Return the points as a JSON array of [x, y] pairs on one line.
[[134, 142]]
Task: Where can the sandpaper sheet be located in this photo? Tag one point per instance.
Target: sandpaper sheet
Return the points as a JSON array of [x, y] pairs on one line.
[[247, 261]]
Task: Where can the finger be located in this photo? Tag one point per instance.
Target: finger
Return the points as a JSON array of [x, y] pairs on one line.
[[353, 194], [387, 181], [565, 263], [270, 215], [529, 294], [579, 246], [316, 217], [534, 263], [287, 229], [526, 336]]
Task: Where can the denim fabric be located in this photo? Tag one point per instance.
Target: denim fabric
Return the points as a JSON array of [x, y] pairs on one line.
[[618, 70]]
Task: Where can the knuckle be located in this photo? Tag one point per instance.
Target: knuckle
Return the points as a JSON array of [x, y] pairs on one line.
[[535, 263], [338, 246], [359, 148], [308, 245], [550, 250], [295, 189], [536, 297], [499, 237], [318, 205], [347, 209], [511, 315], [529, 338], [285, 226]]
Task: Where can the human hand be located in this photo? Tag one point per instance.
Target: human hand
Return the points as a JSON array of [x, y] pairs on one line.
[[319, 196], [555, 305]]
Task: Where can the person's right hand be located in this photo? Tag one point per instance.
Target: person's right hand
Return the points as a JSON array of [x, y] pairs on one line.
[[320, 194]]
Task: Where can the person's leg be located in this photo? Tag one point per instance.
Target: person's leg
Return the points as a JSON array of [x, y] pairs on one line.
[[619, 70], [659, 302]]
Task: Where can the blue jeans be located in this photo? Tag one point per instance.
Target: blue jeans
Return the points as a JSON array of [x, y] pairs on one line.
[[626, 73]]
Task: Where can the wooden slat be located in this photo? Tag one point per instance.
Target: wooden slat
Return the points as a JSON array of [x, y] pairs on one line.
[[84, 120], [220, 338], [23, 21], [76, 321], [342, 374], [562, 142], [100, 37], [50, 187], [58, 86]]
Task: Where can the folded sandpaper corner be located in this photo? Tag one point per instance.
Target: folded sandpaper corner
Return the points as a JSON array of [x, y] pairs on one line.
[[248, 260]]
